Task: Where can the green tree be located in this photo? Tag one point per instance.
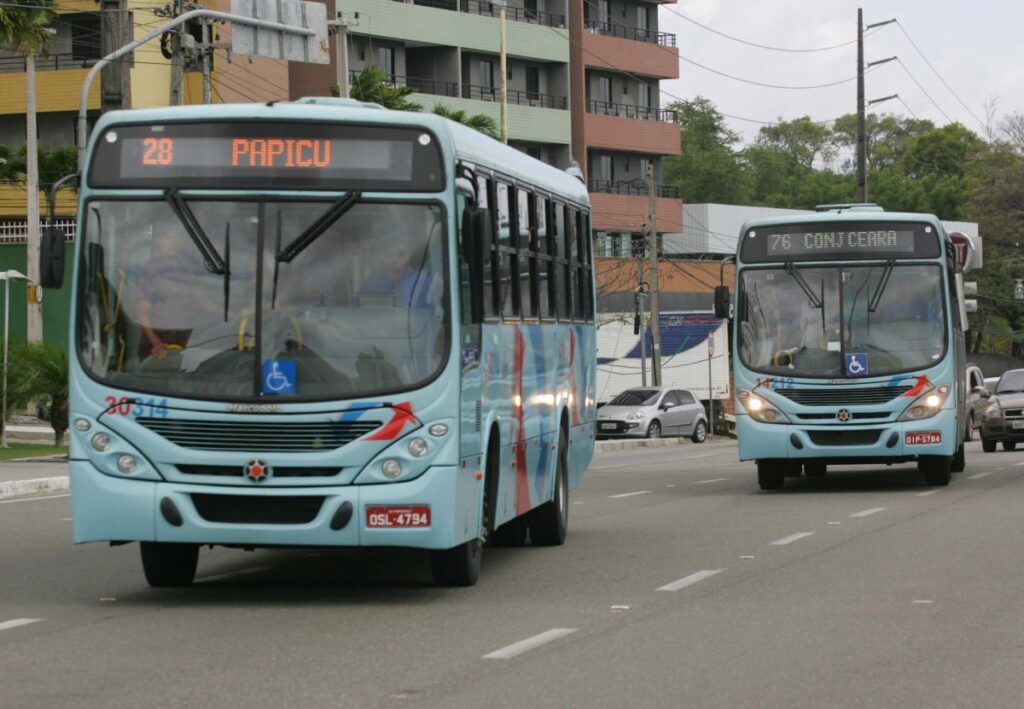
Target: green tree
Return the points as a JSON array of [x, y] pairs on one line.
[[53, 165], [802, 140], [40, 370], [886, 136], [947, 150], [480, 121], [372, 86], [709, 169], [25, 25]]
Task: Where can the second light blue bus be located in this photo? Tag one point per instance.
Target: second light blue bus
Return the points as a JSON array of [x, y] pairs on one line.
[[848, 331], [323, 323]]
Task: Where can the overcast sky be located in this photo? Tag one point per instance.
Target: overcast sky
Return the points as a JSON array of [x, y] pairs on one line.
[[976, 46]]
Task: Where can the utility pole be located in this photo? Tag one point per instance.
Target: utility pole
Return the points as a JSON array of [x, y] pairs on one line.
[[504, 72], [339, 28], [115, 79], [34, 324], [207, 55], [652, 231], [862, 171], [177, 59]]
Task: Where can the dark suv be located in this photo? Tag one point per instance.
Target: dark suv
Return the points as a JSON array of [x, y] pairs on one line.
[[1003, 418]]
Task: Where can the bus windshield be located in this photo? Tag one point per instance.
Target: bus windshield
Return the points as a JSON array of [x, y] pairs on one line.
[[804, 321], [360, 310]]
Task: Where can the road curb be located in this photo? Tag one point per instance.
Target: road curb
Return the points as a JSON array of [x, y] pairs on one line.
[[37, 486]]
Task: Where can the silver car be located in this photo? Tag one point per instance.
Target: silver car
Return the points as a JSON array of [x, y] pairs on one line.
[[652, 413]]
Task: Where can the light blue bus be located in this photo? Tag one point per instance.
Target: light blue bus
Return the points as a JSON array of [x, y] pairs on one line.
[[848, 331], [323, 323]]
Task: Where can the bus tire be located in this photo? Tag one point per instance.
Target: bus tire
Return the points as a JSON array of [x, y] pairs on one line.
[[168, 565], [549, 523], [987, 445], [770, 475], [700, 432], [815, 470], [959, 462], [510, 534], [935, 468], [458, 566], [1009, 445]]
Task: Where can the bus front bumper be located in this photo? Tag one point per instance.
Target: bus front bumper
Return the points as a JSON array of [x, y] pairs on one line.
[[107, 508], [854, 444]]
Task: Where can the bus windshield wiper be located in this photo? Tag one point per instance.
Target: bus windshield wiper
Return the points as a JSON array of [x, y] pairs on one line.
[[880, 288], [313, 232], [214, 263], [815, 301]]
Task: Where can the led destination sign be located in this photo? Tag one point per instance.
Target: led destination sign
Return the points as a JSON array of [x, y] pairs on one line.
[[887, 241], [845, 240], [269, 155]]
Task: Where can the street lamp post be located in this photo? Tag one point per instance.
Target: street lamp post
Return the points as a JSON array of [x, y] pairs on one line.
[[7, 277]]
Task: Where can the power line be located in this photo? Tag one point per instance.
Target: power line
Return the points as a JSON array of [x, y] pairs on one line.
[[935, 71], [934, 102]]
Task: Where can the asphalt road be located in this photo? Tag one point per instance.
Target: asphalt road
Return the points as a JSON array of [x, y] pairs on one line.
[[681, 585]]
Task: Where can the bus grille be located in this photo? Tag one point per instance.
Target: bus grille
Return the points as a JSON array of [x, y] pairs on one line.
[[844, 438], [262, 436], [257, 509], [843, 397], [238, 471]]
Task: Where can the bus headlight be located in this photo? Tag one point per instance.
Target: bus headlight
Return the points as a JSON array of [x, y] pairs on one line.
[[760, 409], [926, 405]]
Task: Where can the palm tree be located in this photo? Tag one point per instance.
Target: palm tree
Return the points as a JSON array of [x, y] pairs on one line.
[[481, 122], [38, 369], [25, 28], [372, 85]]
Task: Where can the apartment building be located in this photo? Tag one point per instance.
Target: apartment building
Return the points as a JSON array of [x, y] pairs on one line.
[[625, 56]]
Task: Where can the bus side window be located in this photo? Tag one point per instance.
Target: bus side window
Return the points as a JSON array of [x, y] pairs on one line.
[[504, 252], [567, 247], [465, 284], [491, 279], [545, 264], [525, 214], [584, 269]]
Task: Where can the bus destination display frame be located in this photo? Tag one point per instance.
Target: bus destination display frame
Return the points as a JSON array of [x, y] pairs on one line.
[[829, 241]]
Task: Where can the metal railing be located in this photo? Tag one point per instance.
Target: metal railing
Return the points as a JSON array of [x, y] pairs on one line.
[[634, 33], [624, 110], [633, 188], [481, 7], [519, 98], [52, 62], [422, 86]]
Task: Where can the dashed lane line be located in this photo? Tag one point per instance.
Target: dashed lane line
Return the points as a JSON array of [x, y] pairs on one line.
[[690, 580], [712, 480], [929, 492], [18, 622], [865, 513], [522, 646], [791, 538], [630, 494], [978, 475]]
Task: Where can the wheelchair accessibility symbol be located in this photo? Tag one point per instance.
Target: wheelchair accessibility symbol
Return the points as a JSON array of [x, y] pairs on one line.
[[278, 377], [856, 365]]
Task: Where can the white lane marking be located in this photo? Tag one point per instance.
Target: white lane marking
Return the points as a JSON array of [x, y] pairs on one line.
[[631, 494], [690, 580], [33, 499], [865, 513], [712, 480], [232, 574], [834, 523], [791, 538], [978, 475], [523, 645], [930, 492], [1016, 465], [65, 519], [18, 622], [633, 465], [923, 601]]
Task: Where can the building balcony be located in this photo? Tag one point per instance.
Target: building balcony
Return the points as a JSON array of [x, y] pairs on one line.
[[490, 9], [433, 87], [634, 188], [623, 110], [55, 91], [631, 135], [627, 213], [515, 98], [53, 62], [632, 33], [633, 55]]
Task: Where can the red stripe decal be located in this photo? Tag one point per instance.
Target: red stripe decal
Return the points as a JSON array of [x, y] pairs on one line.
[[403, 415]]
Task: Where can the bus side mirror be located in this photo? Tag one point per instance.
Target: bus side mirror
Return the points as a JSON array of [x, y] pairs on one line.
[[51, 257], [722, 302]]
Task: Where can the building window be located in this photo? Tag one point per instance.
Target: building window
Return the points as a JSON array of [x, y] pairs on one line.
[[643, 19], [604, 89], [386, 61], [604, 12], [85, 36], [486, 78], [532, 83]]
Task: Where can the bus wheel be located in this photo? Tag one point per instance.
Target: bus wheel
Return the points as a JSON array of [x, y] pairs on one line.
[[959, 462], [510, 534], [458, 566], [168, 565], [814, 470], [935, 469], [770, 475], [987, 445], [549, 523], [1009, 445]]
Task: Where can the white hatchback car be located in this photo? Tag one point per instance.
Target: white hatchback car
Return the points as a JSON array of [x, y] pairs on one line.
[[653, 412]]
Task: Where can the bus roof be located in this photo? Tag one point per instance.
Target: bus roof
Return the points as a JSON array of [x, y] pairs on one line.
[[458, 140], [846, 215]]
